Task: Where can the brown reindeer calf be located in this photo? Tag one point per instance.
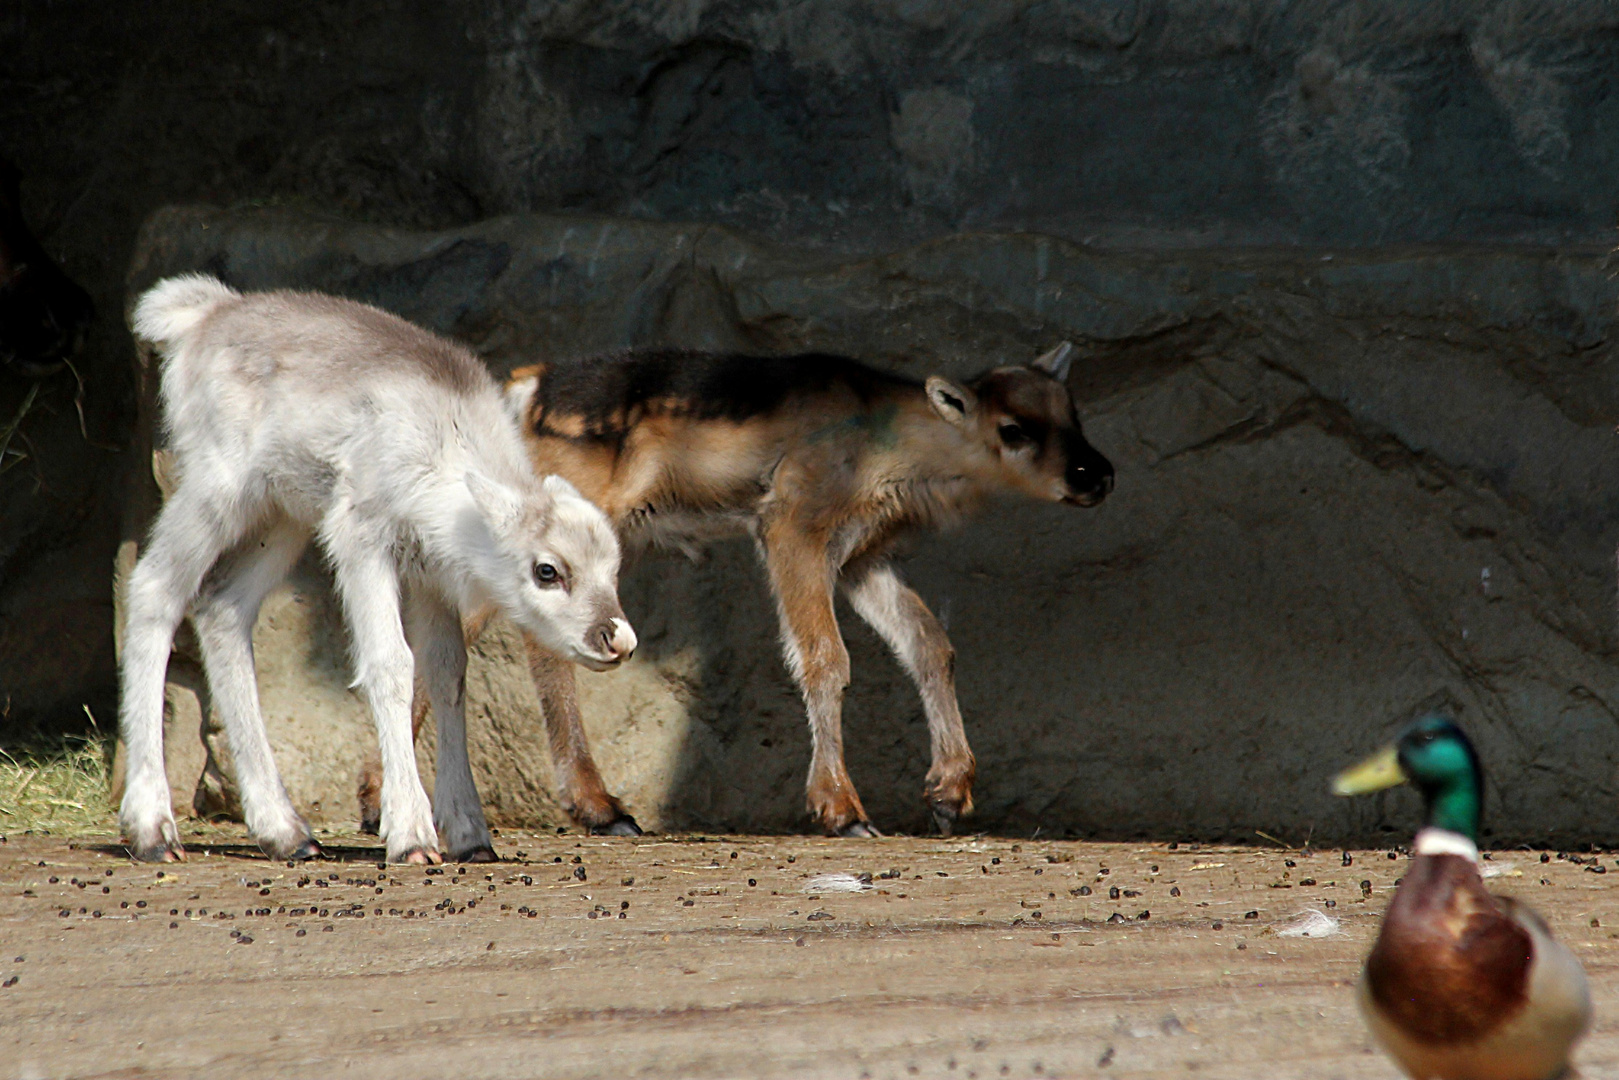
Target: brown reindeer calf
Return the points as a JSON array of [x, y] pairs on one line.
[[825, 463]]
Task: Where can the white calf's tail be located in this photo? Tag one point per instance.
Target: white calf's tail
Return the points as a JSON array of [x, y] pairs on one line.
[[174, 305]]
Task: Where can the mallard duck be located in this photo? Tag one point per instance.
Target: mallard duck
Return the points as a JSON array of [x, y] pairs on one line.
[[1461, 985]]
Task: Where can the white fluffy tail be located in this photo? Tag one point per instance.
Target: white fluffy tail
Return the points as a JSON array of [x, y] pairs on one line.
[[169, 309]]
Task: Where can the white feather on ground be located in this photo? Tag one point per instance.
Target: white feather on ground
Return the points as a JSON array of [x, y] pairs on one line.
[[830, 883], [1495, 869], [1311, 924]]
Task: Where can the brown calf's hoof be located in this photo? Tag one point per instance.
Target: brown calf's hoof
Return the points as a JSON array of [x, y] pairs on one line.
[[370, 798], [623, 825], [945, 817], [949, 801], [483, 853], [860, 830]]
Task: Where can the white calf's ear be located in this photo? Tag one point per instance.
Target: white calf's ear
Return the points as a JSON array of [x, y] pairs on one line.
[[1056, 362], [499, 504], [954, 403], [555, 485]]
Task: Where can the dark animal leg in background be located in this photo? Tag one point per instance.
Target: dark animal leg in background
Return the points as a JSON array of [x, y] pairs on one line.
[[437, 641]]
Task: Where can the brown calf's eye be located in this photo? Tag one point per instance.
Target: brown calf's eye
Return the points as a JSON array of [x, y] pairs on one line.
[[1013, 436], [546, 574]]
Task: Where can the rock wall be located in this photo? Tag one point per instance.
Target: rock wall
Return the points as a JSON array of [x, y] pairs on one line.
[[1350, 485], [1184, 166]]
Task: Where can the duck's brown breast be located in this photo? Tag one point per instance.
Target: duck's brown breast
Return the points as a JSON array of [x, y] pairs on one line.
[[1450, 964]]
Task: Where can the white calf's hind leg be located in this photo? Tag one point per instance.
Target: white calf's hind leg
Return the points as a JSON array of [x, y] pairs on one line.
[[436, 637], [368, 584], [224, 615], [190, 533]]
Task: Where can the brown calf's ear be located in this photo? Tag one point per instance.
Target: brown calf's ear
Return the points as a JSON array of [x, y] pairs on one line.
[[524, 403], [954, 403], [163, 471], [1056, 362]]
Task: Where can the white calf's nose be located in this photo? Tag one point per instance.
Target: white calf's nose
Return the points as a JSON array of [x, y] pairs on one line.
[[624, 640]]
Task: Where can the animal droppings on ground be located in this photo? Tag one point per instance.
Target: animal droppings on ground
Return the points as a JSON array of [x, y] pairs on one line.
[[797, 956]]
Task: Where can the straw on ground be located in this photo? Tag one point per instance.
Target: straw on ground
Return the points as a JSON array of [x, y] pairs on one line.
[[60, 788]]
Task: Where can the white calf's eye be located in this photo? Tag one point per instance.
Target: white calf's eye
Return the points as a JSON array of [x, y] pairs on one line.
[[546, 574]]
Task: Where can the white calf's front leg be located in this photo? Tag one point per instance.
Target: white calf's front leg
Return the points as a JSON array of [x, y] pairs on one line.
[[434, 630], [188, 536], [368, 584], [224, 615]]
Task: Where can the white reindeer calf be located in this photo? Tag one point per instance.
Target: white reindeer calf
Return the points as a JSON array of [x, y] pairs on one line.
[[295, 415]]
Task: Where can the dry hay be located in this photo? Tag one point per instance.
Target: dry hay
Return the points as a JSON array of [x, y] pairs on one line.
[[59, 789]]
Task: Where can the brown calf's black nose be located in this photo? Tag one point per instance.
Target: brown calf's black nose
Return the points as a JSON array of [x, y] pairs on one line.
[[1093, 479]]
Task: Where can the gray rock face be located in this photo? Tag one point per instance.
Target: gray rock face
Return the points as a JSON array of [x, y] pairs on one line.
[[1350, 486], [844, 126]]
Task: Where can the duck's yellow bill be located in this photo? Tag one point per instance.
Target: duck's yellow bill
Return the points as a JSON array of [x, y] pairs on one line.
[[1373, 774]]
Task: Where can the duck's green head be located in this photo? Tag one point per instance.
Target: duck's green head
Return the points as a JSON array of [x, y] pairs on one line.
[[1437, 757]]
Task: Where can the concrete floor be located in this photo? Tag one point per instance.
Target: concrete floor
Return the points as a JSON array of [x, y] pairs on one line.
[[718, 957]]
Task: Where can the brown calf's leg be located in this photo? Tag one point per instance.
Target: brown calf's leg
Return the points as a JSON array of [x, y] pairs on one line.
[[901, 618], [369, 789], [579, 783], [801, 580]]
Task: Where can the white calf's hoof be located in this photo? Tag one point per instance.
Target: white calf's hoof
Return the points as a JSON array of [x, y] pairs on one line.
[[418, 847], [289, 838], [416, 857], [309, 849], [408, 831], [159, 843]]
